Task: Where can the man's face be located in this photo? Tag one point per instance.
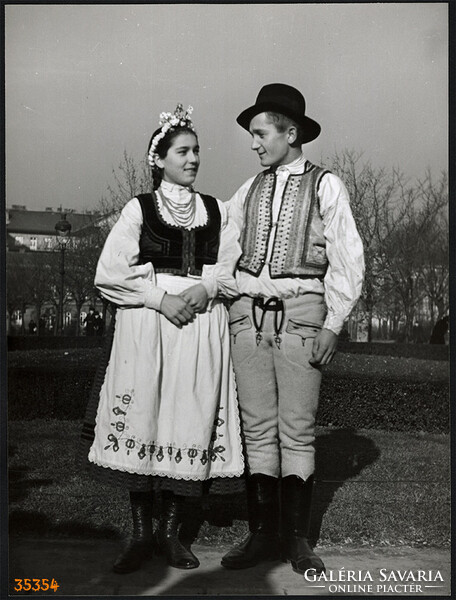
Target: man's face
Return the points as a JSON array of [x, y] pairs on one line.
[[271, 145]]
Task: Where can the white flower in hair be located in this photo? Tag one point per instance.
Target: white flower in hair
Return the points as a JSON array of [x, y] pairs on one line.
[[167, 122]]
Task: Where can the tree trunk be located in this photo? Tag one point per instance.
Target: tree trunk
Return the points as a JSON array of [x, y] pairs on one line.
[[441, 309], [395, 327], [23, 311], [78, 320], [38, 307], [409, 317], [369, 327]]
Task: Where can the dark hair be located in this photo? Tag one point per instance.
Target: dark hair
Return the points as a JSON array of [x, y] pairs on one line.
[[162, 149], [282, 122]]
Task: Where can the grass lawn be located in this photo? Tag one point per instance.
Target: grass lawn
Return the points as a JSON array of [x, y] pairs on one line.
[[373, 488]]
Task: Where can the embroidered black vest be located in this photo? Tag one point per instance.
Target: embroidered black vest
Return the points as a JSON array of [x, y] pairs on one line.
[[173, 249], [299, 245]]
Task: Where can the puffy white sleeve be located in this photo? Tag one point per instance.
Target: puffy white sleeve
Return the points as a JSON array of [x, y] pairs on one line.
[[344, 278], [219, 279], [235, 205], [119, 277]]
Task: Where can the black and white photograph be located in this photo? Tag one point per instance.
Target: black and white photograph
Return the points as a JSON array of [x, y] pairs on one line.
[[227, 300]]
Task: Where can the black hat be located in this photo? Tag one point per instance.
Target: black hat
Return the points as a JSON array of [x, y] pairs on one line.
[[283, 99]]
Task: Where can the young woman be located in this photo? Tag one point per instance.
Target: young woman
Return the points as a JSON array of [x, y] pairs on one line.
[[167, 415]]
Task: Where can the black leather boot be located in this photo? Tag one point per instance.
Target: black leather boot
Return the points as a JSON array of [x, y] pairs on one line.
[[296, 505], [191, 521], [262, 543], [177, 555], [140, 545]]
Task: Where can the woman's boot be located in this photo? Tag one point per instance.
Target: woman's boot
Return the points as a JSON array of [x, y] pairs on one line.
[[140, 545], [296, 505], [177, 555], [262, 543], [192, 518]]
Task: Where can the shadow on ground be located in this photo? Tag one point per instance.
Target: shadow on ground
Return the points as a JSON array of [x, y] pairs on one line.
[[22, 484], [340, 455]]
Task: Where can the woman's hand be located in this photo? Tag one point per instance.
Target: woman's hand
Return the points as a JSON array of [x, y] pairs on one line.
[[176, 309], [196, 296]]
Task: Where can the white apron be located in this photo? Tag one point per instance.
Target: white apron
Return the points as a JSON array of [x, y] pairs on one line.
[[168, 403]]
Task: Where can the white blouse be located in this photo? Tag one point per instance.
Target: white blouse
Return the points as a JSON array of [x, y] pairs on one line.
[[344, 277], [123, 281]]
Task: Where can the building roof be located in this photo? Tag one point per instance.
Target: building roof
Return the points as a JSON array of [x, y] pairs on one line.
[[43, 222]]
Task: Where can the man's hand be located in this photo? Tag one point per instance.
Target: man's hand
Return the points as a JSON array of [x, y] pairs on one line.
[[196, 296], [176, 309], [324, 348]]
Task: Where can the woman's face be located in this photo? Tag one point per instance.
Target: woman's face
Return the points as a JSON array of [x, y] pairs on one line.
[[181, 164]]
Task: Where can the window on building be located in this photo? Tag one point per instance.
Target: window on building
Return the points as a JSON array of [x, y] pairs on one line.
[[33, 243], [48, 243]]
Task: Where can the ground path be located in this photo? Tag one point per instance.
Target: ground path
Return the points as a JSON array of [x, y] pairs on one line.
[[83, 568]]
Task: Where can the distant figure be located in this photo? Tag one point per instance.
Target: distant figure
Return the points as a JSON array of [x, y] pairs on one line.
[[98, 324], [89, 321], [41, 325], [417, 333], [344, 336], [32, 327], [439, 331], [51, 323]]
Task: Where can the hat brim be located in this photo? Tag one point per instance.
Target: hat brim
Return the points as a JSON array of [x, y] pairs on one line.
[[311, 128]]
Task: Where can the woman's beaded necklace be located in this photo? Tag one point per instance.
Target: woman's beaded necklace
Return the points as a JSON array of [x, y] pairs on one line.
[[183, 214]]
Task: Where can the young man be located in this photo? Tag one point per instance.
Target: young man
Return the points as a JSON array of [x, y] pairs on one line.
[[299, 275]]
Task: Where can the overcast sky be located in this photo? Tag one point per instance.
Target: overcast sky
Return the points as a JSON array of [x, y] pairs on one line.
[[86, 82]]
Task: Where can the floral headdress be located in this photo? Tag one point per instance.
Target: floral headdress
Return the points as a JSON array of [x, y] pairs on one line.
[[169, 121]]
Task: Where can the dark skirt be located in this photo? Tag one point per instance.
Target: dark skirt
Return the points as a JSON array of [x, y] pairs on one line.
[[133, 481]]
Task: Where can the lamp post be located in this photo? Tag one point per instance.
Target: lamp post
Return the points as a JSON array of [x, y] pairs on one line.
[[63, 232]]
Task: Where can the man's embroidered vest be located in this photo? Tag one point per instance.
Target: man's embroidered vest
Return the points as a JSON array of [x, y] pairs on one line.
[[299, 246], [174, 249]]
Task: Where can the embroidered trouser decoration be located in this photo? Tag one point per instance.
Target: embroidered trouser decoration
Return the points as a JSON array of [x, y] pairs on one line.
[[272, 304]]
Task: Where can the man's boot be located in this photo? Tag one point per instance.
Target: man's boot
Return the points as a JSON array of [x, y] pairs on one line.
[[140, 545], [177, 555], [262, 543], [296, 505]]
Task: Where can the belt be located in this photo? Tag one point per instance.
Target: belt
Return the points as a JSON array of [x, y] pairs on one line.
[[274, 305]]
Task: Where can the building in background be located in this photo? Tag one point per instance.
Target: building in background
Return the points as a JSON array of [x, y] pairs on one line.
[[33, 269], [34, 230]]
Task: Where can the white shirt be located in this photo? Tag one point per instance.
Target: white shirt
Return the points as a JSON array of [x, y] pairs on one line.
[[343, 280]]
